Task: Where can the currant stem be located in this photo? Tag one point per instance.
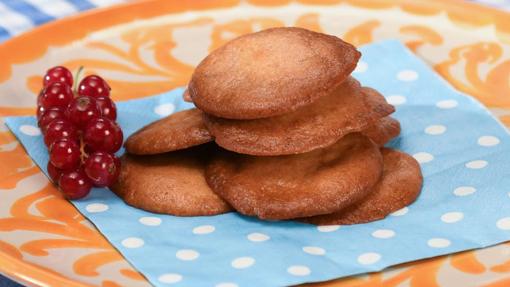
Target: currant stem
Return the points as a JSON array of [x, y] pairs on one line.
[[83, 154], [76, 78]]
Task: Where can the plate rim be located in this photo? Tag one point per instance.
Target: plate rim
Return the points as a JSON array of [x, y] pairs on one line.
[[42, 37], [34, 275], [31, 274]]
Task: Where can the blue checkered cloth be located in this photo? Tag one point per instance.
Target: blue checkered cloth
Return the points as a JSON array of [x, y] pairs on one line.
[[17, 16]]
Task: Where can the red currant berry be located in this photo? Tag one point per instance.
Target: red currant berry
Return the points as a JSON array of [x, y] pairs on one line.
[[87, 149], [39, 112], [107, 107], [54, 173], [81, 110], [60, 129], [102, 168], [56, 95], [39, 97], [117, 164], [48, 116], [75, 184], [94, 86], [58, 74], [103, 134], [65, 154]]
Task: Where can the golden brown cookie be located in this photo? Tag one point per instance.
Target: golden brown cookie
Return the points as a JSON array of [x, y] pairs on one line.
[[270, 73], [177, 131], [186, 97], [283, 187], [171, 183], [350, 108], [383, 131], [400, 186]]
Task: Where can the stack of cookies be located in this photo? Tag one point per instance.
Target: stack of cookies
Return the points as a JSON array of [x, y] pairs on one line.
[[296, 137]]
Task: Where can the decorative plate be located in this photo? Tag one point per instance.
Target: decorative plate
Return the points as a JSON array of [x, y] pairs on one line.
[[148, 47]]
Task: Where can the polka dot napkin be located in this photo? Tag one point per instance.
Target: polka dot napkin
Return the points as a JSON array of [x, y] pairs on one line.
[[463, 151]]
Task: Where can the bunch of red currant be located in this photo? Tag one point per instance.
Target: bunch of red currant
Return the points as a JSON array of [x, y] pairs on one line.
[[80, 132]]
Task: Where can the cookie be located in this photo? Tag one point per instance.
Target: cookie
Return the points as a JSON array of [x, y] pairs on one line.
[[400, 186], [177, 131], [283, 187], [270, 73], [186, 97], [171, 183], [383, 131], [350, 108]]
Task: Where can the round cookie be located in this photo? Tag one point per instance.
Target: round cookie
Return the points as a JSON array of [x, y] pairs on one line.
[[350, 108], [271, 72], [171, 183], [383, 131], [400, 186], [186, 97], [284, 187], [177, 131]]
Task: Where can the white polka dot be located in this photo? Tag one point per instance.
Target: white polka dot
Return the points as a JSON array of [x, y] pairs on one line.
[[204, 229], [447, 104], [314, 250], [452, 217], [488, 141], [328, 228], [396, 100], [132, 242], [30, 130], [96, 207], [400, 212], [187, 254], [361, 67], [299, 270], [242, 262], [503, 223], [435, 130], [164, 109], [170, 278], [369, 258], [383, 233], [464, 190], [150, 220], [226, 284], [407, 75], [423, 157], [438, 242], [257, 237], [477, 164]]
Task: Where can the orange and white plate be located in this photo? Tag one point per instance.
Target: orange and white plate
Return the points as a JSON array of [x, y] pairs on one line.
[[148, 47]]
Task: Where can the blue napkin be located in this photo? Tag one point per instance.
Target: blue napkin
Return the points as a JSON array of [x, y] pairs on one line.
[[464, 153]]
